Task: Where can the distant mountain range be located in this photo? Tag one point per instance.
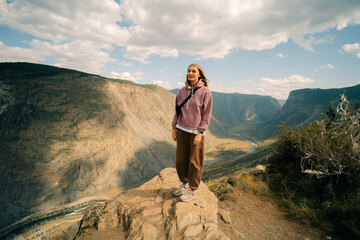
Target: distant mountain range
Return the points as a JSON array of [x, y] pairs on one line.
[[234, 112], [257, 117]]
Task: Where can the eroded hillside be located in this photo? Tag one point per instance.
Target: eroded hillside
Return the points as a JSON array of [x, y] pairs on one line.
[[65, 134]]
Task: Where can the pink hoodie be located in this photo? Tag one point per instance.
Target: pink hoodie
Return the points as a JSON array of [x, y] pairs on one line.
[[196, 113]]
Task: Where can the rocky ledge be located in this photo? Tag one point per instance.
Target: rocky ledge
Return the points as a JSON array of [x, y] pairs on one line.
[[152, 212]]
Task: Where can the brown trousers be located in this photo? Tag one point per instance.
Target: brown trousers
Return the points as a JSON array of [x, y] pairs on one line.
[[189, 158]]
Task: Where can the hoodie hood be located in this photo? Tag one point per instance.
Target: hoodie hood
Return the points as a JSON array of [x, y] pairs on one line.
[[199, 84]]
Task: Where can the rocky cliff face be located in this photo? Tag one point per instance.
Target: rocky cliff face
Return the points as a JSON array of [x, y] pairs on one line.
[[151, 212], [306, 105], [65, 134], [244, 107], [252, 113]]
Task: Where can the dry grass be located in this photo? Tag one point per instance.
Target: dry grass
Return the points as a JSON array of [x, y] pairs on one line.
[[242, 180], [214, 145], [250, 183]]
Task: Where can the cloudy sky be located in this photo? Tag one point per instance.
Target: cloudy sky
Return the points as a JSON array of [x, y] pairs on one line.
[[246, 46]]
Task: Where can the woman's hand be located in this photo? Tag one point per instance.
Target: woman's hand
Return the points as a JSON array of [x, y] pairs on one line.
[[197, 139], [174, 134]]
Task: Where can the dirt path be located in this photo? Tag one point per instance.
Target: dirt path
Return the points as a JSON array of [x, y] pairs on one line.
[[254, 218]]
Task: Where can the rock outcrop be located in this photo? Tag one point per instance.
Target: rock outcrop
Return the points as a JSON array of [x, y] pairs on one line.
[[152, 212]]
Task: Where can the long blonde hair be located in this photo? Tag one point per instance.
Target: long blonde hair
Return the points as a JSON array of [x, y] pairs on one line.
[[202, 75]]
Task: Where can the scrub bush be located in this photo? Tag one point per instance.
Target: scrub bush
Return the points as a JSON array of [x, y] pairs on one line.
[[316, 171]]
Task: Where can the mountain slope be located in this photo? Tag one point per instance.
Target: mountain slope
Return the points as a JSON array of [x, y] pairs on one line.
[[258, 117], [305, 105], [65, 134]]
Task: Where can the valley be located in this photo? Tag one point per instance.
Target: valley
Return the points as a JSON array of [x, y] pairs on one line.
[[69, 214], [53, 229], [71, 140]]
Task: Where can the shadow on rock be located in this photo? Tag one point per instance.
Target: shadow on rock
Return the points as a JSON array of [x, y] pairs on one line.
[[148, 162]]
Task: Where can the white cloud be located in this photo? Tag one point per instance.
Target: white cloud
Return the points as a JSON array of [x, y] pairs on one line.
[[87, 20], [127, 76], [326, 66], [280, 88], [162, 84], [277, 88], [180, 84], [18, 54], [81, 55], [291, 81], [207, 29], [281, 55], [279, 93], [352, 49], [307, 42], [79, 31], [212, 29], [127, 64], [140, 53]]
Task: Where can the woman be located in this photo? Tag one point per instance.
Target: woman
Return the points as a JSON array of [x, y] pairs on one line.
[[189, 127]]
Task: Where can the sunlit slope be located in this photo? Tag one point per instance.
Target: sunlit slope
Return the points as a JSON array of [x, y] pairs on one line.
[[65, 134]]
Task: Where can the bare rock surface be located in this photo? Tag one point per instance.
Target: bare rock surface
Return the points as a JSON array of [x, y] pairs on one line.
[[225, 216], [152, 212]]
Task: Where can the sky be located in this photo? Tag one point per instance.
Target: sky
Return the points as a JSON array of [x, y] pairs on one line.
[[264, 47]]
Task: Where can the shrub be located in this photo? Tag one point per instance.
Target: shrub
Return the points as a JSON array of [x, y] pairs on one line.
[[220, 187], [316, 171]]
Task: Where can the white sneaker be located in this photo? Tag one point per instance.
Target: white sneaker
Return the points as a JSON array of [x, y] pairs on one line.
[[181, 190], [188, 196]]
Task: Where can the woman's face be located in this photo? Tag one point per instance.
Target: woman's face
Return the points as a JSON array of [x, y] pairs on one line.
[[193, 75]]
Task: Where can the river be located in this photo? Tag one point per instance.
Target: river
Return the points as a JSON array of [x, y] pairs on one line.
[[251, 150]]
